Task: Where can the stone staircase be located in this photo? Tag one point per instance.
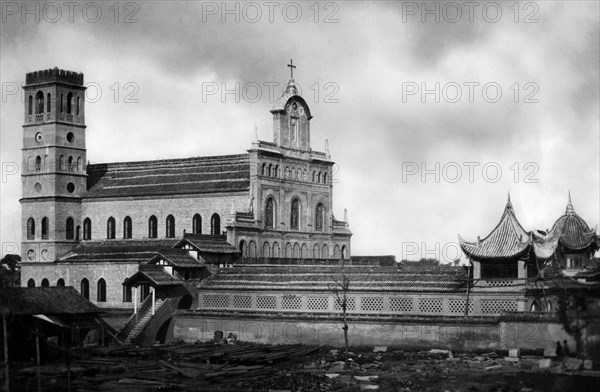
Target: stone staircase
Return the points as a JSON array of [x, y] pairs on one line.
[[144, 316]]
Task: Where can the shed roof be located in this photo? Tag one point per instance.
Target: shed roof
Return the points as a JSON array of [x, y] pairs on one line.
[[155, 275], [45, 300], [177, 258], [208, 243], [321, 278]]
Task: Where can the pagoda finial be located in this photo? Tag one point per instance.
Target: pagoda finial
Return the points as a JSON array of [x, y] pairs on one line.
[[508, 203], [570, 209], [255, 131]]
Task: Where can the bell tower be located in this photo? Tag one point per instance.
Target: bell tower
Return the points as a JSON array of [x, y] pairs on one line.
[[291, 118], [53, 170]]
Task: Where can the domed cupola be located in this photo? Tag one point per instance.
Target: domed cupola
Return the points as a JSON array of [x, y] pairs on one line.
[[576, 234]]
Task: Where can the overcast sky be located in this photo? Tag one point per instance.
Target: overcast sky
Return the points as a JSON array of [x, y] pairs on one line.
[[518, 92]]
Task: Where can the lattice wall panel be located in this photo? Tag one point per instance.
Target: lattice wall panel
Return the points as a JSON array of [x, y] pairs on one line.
[[266, 302], [317, 303], [350, 304], [457, 306], [430, 305], [495, 306], [242, 301], [371, 304], [291, 302], [399, 304], [216, 301]]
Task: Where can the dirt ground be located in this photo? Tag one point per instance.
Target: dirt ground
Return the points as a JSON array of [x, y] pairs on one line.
[[248, 367]]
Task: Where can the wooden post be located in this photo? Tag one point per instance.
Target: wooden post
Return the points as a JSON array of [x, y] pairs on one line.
[[468, 288], [5, 343], [153, 299]]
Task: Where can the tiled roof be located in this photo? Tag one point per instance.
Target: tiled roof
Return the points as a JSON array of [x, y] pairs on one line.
[[544, 244], [116, 251], [321, 278], [508, 239], [208, 243], [178, 258], [45, 300], [226, 173], [575, 233], [153, 274]]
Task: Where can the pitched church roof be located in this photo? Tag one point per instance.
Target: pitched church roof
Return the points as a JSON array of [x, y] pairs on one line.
[[200, 175], [129, 251], [575, 233], [507, 240], [321, 278]]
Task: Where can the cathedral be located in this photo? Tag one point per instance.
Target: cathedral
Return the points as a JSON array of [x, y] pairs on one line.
[[90, 225]]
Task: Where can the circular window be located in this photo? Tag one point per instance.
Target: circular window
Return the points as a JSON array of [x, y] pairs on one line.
[[38, 187], [31, 254], [45, 254], [38, 137], [70, 137], [70, 187]]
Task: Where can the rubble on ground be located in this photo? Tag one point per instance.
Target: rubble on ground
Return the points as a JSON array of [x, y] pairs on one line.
[[255, 367]]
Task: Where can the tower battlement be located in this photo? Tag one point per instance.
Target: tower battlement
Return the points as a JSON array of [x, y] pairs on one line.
[[54, 75]]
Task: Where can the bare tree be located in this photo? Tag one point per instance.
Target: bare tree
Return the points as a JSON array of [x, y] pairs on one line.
[[340, 287]]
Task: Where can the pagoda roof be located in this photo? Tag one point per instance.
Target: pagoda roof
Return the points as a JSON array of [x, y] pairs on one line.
[[575, 233], [507, 240]]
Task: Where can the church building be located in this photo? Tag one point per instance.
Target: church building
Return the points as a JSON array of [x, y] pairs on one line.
[[91, 225]]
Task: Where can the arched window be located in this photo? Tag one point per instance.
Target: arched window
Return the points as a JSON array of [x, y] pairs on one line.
[[30, 108], [77, 233], [30, 229], [296, 251], [269, 214], [243, 249], [324, 178], [48, 103], [78, 164], [319, 177], [197, 224], [215, 224], [170, 227], [70, 229], [39, 100], [45, 283], [85, 288], [252, 250], [264, 169], [325, 252], [269, 170], [275, 172], [87, 229], [70, 163], [535, 307], [266, 252], [45, 229], [127, 227], [30, 163], [62, 99], [61, 163], [69, 102], [344, 252], [31, 283], [275, 252], [101, 294], [304, 251], [60, 282], [549, 307], [314, 176], [38, 163], [110, 228], [127, 293], [336, 252], [152, 224], [295, 215], [319, 217], [78, 107], [288, 250]]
